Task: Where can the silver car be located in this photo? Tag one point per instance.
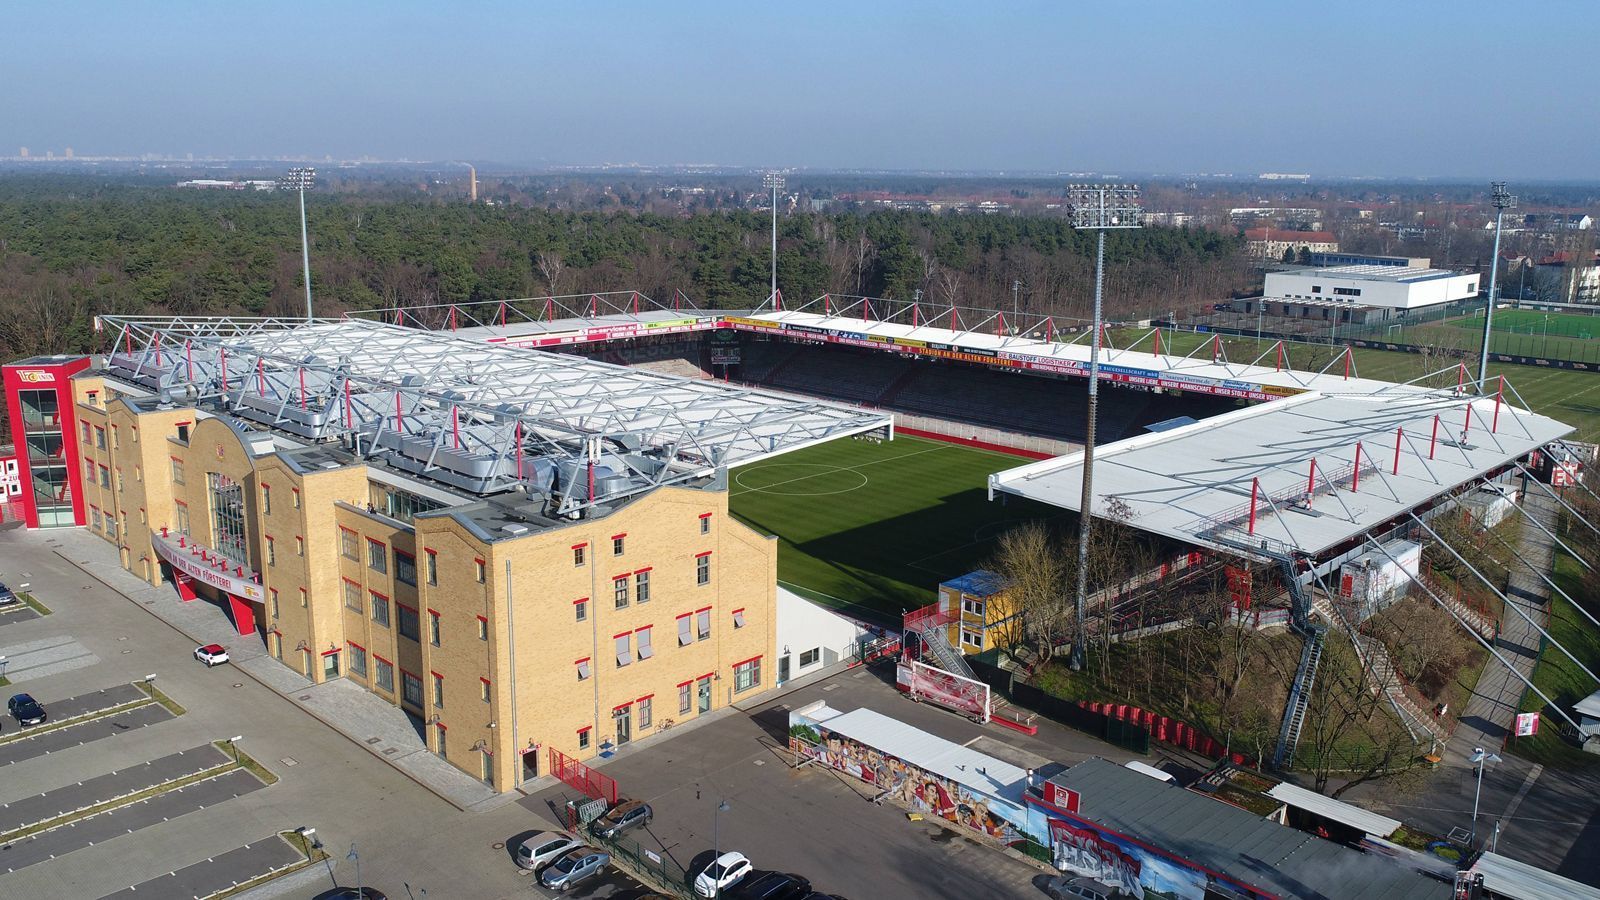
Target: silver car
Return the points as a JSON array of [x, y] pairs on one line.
[[534, 852], [576, 865]]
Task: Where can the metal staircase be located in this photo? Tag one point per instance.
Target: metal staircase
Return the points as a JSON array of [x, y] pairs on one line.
[[1294, 713], [936, 641], [1300, 599]]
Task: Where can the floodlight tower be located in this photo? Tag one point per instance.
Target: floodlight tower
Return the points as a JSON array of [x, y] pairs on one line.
[[1501, 201], [302, 179], [773, 181], [1100, 207]]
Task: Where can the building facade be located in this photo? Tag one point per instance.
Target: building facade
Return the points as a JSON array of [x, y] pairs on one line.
[[1272, 243], [503, 630], [1388, 287]]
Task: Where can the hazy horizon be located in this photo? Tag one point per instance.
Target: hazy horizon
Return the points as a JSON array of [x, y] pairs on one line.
[[1361, 90]]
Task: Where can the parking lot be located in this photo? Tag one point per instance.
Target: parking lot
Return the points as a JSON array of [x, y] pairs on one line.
[[811, 821]]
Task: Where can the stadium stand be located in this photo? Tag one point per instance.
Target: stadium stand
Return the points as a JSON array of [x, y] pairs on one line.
[[859, 376]]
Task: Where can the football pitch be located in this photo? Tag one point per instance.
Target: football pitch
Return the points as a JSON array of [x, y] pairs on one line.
[[873, 527]]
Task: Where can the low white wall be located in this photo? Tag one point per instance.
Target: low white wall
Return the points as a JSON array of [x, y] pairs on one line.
[[807, 631]]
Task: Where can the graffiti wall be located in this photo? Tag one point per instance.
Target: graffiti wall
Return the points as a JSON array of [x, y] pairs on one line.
[[1081, 850], [920, 790]]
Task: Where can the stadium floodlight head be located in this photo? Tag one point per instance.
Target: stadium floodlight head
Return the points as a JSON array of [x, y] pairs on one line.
[[1102, 206], [299, 178], [772, 181], [1500, 198]]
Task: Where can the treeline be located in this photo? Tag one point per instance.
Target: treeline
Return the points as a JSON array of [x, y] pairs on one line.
[[71, 249]]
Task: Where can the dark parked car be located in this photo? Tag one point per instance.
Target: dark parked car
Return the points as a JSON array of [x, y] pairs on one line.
[[26, 710], [350, 893], [625, 815], [773, 886]]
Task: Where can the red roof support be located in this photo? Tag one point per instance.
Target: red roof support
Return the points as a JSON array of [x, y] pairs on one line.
[[1355, 477], [1255, 490], [1494, 424], [1434, 441], [1311, 483], [1398, 434]]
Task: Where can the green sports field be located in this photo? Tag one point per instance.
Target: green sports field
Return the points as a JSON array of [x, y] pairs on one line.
[[874, 527]]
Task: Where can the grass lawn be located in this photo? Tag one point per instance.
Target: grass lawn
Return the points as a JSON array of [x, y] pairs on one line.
[[1558, 677], [874, 527]]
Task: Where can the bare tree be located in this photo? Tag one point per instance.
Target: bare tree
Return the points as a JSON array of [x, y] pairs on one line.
[[1035, 569], [551, 267]]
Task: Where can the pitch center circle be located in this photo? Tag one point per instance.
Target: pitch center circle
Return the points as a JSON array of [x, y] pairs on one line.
[[796, 485]]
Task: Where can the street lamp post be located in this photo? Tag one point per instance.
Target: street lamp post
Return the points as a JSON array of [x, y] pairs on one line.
[[773, 181], [1100, 207], [233, 743], [1479, 758], [716, 842], [301, 179], [1502, 201], [355, 857]]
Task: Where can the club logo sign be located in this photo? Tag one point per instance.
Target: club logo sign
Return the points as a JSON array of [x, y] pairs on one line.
[[221, 454], [36, 376]]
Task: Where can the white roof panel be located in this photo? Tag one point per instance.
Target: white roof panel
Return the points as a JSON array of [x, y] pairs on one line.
[[1336, 810], [1519, 881]]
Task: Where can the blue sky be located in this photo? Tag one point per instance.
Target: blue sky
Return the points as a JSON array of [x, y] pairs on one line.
[[1343, 88]]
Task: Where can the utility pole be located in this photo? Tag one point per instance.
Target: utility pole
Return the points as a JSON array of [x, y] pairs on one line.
[[301, 179], [773, 181], [1502, 201], [1100, 207]]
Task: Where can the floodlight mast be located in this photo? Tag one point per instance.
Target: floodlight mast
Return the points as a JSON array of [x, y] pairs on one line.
[[1501, 201], [773, 181], [1099, 207], [301, 179]]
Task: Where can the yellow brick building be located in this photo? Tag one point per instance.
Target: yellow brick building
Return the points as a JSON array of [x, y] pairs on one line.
[[511, 622]]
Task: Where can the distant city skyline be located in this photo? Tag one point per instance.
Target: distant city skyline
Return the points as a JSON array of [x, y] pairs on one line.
[[1394, 90]]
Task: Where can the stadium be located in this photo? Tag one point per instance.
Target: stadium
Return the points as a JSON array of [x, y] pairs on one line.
[[856, 452]]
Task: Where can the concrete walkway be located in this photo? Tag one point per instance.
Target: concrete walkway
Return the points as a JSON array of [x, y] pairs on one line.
[[1488, 717], [381, 728]]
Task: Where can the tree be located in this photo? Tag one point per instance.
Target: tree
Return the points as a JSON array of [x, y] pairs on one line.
[[551, 267], [1031, 561]]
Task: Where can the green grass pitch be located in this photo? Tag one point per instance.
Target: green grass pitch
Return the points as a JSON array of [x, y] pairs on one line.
[[872, 528]]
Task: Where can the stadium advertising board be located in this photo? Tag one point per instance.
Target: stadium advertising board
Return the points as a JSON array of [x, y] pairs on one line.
[[606, 333], [924, 682]]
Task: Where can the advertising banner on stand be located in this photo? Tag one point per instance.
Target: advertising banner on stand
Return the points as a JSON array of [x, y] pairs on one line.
[[924, 682]]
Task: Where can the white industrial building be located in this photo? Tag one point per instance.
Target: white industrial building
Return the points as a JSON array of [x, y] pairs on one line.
[[812, 638], [1392, 287]]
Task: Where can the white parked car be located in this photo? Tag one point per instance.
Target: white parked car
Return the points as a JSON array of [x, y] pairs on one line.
[[726, 871], [534, 852], [211, 654]]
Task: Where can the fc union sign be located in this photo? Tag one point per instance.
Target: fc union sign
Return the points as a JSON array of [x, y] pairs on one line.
[[192, 560], [35, 376]]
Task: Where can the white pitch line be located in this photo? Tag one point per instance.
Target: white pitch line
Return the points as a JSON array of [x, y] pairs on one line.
[[833, 469]]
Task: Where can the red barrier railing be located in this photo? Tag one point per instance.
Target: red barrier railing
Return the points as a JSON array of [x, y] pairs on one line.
[[579, 776]]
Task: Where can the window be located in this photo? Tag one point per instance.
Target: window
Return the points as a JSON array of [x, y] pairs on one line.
[[705, 523], [94, 516], [119, 480], [352, 596], [619, 587], [105, 477], [809, 657], [377, 556], [624, 649], [138, 474], [348, 546], [578, 554], [272, 551], [227, 516], [438, 690], [483, 689], [738, 618], [358, 660], [177, 470], [303, 602], [684, 698], [83, 427], [702, 621], [380, 609], [433, 568], [702, 569], [99, 438], [616, 544], [433, 628], [384, 672], [646, 649], [581, 608], [294, 495], [412, 686], [971, 638], [408, 621], [480, 571], [483, 629], [645, 716], [405, 568], [299, 545], [266, 500], [641, 586], [398, 504], [116, 442], [1347, 292], [972, 606], [273, 593], [685, 629], [180, 516], [583, 669], [583, 738], [747, 675], [1316, 289]]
